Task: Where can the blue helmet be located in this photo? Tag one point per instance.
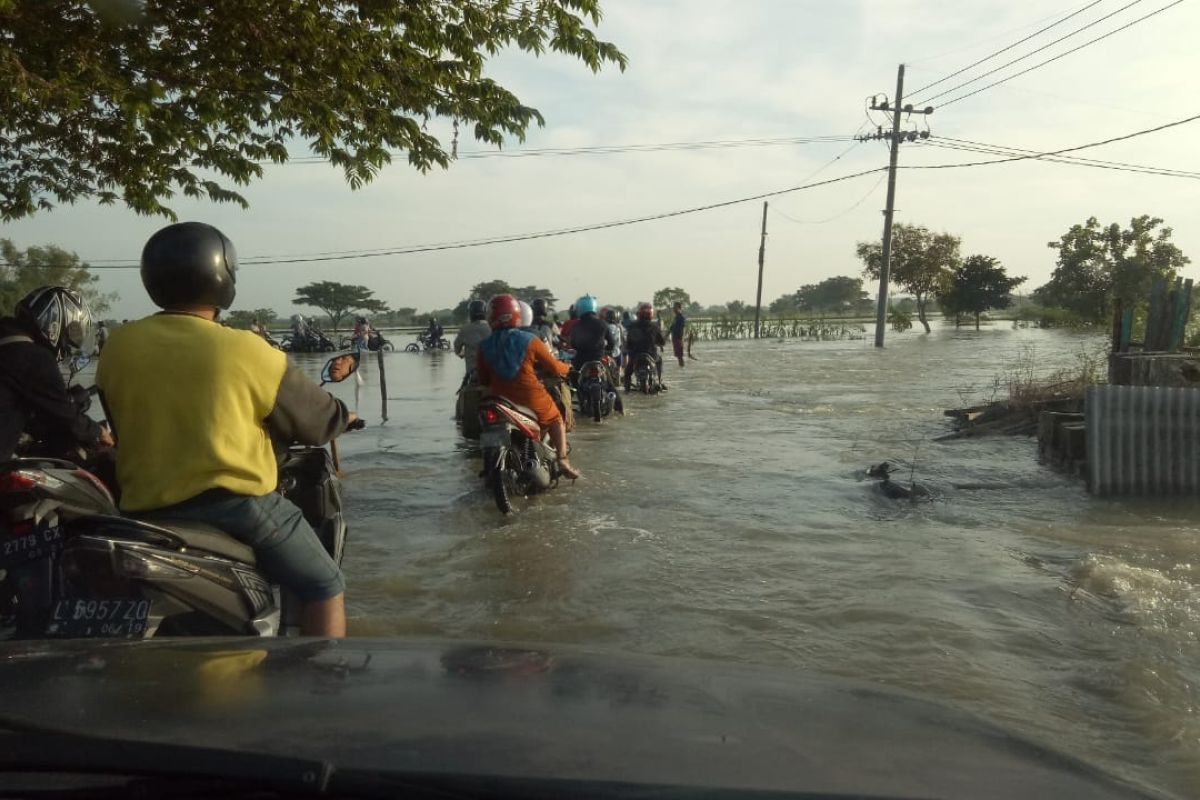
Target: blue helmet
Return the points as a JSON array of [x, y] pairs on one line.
[[586, 305]]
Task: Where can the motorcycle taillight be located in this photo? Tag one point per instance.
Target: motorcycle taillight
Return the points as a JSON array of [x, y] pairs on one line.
[[18, 481], [489, 415]]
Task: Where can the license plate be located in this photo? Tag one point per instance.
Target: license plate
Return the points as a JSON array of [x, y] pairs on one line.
[[118, 617], [494, 438], [41, 541]]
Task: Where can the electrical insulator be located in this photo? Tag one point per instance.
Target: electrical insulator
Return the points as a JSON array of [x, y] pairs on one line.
[[908, 109]]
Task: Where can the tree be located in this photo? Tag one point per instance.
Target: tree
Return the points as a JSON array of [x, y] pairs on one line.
[[488, 289], [736, 308], [243, 319], [338, 299], [1099, 266], [179, 92], [22, 271], [841, 293], [979, 283], [668, 297], [922, 262]]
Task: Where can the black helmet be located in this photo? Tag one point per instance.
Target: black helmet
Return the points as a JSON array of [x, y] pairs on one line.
[[610, 316], [361, 320], [540, 308], [476, 310], [57, 318], [189, 264]]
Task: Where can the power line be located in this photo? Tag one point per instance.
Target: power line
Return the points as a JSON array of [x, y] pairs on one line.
[[1034, 155], [528, 236], [837, 216], [1034, 52], [1010, 47], [966, 145], [1062, 55], [347, 255], [593, 150]]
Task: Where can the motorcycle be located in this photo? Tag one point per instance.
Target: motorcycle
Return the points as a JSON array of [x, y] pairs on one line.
[[73, 567], [313, 341], [426, 342], [518, 459], [375, 341], [596, 392], [645, 373]]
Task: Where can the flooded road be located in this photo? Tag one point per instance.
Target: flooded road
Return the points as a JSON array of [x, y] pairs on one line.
[[728, 519]]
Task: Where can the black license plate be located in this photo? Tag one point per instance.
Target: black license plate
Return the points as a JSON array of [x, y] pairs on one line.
[[118, 617], [24, 544]]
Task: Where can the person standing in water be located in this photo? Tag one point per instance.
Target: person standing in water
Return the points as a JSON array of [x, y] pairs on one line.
[[678, 325]]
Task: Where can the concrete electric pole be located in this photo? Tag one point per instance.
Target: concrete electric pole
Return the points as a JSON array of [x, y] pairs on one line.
[[762, 254], [885, 268]]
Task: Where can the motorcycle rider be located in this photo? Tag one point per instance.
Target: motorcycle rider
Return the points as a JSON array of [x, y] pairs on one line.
[[196, 407], [466, 342], [565, 330], [362, 334], [433, 333], [644, 337], [301, 333], [49, 324], [546, 327], [101, 336], [508, 363], [592, 339], [618, 333]]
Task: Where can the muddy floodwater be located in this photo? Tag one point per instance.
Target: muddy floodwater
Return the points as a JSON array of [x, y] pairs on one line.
[[728, 519]]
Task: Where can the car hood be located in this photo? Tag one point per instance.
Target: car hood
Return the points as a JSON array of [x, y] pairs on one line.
[[531, 712]]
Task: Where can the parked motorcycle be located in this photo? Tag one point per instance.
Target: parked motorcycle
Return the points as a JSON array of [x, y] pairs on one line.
[[73, 567], [645, 373], [518, 459], [596, 392]]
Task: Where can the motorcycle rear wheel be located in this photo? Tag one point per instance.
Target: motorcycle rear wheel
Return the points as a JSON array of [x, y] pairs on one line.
[[496, 484], [597, 400], [412, 347]]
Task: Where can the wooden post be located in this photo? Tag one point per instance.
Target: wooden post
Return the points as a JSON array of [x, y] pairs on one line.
[[382, 386]]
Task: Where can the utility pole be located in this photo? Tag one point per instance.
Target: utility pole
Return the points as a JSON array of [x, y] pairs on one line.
[[885, 267], [762, 255]]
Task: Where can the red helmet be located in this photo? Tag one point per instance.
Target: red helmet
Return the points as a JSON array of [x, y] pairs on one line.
[[645, 311], [504, 312]]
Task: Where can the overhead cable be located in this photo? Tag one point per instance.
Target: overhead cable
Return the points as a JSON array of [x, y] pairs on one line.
[[603, 150], [1061, 55], [1030, 54], [1006, 49]]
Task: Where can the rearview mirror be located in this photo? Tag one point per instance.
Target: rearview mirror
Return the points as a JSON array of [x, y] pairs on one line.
[[339, 368]]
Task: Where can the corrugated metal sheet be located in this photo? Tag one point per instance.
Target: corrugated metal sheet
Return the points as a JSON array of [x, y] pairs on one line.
[[1143, 440]]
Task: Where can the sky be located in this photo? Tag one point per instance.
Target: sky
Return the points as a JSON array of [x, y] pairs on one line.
[[702, 70]]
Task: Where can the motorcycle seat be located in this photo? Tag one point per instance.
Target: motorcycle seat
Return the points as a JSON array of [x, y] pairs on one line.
[[198, 536], [529, 412]]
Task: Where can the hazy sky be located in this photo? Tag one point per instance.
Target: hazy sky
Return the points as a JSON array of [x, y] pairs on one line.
[[730, 69]]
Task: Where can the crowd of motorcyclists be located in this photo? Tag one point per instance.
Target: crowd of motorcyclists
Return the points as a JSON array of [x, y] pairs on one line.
[[221, 401]]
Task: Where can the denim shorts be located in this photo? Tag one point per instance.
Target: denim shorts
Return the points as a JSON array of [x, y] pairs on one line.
[[286, 546]]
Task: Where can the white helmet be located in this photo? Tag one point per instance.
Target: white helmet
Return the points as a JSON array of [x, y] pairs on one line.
[[526, 314]]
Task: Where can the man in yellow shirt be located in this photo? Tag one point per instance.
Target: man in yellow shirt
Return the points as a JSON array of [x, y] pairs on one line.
[[197, 407]]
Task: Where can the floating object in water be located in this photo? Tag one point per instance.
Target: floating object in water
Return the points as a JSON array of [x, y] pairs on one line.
[[897, 491]]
